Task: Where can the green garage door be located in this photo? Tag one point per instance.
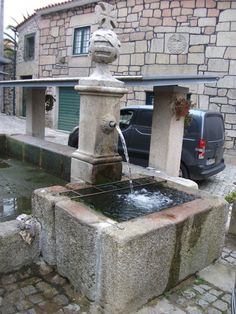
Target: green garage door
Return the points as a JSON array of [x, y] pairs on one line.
[[69, 104]]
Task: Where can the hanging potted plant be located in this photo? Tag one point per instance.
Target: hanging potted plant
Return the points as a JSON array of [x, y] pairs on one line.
[[181, 107]]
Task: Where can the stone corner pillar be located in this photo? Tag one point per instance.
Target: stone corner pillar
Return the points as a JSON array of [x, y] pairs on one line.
[[97, 160], [167, 131], [35, 112]]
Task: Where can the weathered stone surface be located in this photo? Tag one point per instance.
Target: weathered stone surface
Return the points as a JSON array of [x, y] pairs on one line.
[[198, 40], [223, 27], [43, 208], [226, 39], [228, 109], [212, 91], [232, 68], [219, 100], [203, 101], [198, 48], [233, 26], [195, 58], [200, 12], [230, 133], [232, 93], [222, 91], [176, 43], [219, 275], [157, 69], [150, 58], [215, 52], [157, 45], [127, 266], [54, 31], [77, 244], [14, 251], [209, 21], [227, 16], [230, 118], [189, 30], [227, 82], [162, 58], [141, 46], [47, 59], [162, 306], [218, 65]]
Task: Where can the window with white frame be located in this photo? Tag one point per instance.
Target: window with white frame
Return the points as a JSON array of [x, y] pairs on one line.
[[81, 40]]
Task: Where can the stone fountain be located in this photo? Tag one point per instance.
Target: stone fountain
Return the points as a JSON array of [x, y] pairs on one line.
[[96, 159], [119, 266]]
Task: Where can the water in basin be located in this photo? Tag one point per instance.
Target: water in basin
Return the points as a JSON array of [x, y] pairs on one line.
[[121, 205], [17, 182]]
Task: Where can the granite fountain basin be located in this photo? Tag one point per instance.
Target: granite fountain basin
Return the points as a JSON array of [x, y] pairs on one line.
[[121, 265], [26, 164]]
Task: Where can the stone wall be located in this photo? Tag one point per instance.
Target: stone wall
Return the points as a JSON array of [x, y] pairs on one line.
[[8, 92], [158, 38], [27, 68], [56, 41]]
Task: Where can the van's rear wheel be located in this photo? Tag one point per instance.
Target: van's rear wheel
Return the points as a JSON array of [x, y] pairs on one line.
[[183, 172]]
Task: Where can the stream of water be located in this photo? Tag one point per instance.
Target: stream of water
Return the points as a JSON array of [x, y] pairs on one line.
[[124, 146]]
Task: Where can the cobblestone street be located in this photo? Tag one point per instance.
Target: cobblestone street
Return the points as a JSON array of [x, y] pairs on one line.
[[221, 184], [41, 290], [38, 290]]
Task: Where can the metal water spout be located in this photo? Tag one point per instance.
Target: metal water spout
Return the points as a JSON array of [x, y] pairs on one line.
[[112, 124]]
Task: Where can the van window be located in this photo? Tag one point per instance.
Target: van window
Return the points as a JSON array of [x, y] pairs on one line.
[[145, 118], [214, 128], [125, 117], [193, 129]]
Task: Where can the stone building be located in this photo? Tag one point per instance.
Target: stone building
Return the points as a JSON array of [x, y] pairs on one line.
[[158, 37]]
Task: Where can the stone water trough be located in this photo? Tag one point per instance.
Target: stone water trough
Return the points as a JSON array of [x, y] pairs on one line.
[[122, 265]]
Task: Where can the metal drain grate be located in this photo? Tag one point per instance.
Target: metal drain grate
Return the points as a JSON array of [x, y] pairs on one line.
[[108, 187]]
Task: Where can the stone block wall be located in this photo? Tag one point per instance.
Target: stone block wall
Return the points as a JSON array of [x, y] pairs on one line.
[[56, 41], [158, 37], [8, 92], [27, 68]]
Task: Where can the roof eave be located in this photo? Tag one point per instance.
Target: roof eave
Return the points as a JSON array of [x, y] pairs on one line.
[[64, 6]]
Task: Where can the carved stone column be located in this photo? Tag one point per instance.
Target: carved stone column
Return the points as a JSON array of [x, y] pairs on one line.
[[35, 112], [97, 160]]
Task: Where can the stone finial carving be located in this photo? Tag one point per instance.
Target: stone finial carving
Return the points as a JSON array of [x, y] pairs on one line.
[[104, 44], [106, 16]]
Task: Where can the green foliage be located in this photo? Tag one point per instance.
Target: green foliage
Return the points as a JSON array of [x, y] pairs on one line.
[[187, 120], [49, 102], [200, 281], [10, 41], [231, 197]]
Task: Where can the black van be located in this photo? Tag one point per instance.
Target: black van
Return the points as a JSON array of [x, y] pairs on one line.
[[203, 142]]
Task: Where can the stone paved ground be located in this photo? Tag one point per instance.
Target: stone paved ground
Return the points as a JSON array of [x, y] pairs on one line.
[[221, 184], [15, 125], [39, 289], [197, 295]]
